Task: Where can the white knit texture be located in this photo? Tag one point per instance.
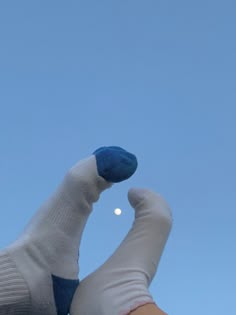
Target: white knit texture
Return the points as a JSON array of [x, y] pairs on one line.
[[49, 245], [14, 293], [121, 284]]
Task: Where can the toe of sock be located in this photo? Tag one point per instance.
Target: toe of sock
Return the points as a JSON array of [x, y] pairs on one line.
[[141, 198], [136, 195], [115, 164]]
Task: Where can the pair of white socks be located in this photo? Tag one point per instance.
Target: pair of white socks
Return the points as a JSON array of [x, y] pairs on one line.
[[39, 272]]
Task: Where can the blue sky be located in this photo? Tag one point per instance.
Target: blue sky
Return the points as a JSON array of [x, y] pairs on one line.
[[155, 77]]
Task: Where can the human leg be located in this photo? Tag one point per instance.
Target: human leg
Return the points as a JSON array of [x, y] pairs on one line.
[[39, 272], [148, 309], [120, 285]]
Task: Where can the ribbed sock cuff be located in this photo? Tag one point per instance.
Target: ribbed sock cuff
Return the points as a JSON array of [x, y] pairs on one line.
[[14, 293]]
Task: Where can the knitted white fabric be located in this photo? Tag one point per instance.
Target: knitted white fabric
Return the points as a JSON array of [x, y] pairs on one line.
[[13, 288], [121, 284], [49, 244]]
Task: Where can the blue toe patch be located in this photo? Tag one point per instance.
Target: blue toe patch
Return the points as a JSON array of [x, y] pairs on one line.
[[64, 290], [115, 164]]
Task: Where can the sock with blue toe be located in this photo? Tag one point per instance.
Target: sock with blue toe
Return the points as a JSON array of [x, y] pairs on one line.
[[39, 272]]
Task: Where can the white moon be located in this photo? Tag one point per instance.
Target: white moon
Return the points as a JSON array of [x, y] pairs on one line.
[[117, 211]]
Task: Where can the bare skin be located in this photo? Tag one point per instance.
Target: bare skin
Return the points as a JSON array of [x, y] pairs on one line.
[[148, 309]]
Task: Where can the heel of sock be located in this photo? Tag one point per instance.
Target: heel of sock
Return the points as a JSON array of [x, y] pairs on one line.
[[64, 290], [14, 293]]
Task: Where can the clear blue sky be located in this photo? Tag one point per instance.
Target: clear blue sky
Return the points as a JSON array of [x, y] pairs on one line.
[[155, 77]]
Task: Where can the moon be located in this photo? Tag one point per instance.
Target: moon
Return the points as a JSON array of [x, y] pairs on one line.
[[117, 211]]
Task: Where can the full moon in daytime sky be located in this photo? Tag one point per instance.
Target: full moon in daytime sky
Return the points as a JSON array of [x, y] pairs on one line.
[[117, 211]]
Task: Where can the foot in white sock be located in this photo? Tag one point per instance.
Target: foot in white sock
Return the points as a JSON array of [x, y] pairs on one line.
[[39, 272], [121, 284]]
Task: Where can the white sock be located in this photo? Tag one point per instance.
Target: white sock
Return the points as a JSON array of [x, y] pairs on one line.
[[49, 245], [121, 284], [39, 272]]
